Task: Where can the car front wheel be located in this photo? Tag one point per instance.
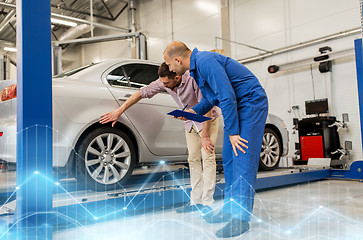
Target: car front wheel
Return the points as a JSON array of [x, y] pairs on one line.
[[105, 159], [271, 150]]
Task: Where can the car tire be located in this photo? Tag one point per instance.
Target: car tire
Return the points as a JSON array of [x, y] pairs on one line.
[[105, 159], [271, 150]]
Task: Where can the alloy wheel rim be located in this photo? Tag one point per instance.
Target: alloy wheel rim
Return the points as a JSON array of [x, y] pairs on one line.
[[107, 158], [270, 150]]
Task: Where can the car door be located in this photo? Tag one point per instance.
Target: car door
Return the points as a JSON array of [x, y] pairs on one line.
[[162, 134]]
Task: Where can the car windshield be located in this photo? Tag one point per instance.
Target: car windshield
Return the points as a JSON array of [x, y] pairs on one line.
[[73, 71]]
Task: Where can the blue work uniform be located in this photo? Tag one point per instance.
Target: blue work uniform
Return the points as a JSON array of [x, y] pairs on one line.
[[229, 85]]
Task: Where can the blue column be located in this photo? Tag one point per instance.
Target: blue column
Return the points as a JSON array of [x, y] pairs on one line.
[[34, 119], [359, 67]]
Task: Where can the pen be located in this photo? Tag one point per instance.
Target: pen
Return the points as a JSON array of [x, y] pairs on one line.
[[185, 107]]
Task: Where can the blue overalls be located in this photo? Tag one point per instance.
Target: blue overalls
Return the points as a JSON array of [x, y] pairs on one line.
[[231, 86]]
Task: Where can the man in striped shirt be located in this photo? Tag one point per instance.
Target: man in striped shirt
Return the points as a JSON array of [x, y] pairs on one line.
[[200, 137]]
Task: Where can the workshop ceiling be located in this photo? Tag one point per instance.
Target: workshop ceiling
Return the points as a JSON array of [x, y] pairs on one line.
[[102, 9]]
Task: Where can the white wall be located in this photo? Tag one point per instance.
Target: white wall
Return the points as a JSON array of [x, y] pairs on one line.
[[275, 24], [195, 23]]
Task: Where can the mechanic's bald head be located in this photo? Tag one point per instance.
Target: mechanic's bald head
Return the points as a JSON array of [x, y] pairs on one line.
[[177, 57], [177, 49]]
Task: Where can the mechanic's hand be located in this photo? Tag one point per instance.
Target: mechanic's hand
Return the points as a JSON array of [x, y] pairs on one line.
[[207, 144], [237, 142], [183, 118], [112, 116]]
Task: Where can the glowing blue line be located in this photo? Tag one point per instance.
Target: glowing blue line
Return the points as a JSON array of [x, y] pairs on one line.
[[52, 181], [257, 196], [168, 174], [145, 182], [252, 215], [108, 214], [26, 181], [305, 219], [7, 200], [137, 193], [340, 215], [219, 187], [77, 201]]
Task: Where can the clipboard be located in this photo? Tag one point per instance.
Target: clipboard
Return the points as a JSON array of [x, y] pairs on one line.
[[189, 116]]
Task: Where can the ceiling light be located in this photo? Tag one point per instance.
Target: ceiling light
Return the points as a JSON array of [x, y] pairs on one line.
[[9, 49], [63, 22]]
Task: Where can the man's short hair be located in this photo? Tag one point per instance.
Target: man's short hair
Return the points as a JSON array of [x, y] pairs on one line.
[[177, 49], [165, 72]]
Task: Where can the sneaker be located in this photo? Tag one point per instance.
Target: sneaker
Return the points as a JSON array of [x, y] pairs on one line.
[[234, 228], [218, 218], [189, 208]]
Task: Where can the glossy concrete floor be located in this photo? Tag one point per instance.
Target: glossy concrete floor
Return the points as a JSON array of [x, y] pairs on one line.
[[329, 209]]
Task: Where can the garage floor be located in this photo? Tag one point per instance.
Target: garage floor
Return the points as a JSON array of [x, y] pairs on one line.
[[330, 209]]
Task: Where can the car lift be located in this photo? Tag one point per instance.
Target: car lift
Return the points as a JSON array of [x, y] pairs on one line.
[[161, 189]]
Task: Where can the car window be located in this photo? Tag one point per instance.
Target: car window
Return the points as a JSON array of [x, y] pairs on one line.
[[118, 78], [141, 74]]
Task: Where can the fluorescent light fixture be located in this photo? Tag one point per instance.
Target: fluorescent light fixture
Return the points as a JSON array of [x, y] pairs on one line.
[[9, 49], [63, 22]]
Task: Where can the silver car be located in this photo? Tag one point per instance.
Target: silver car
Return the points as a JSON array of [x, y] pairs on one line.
[[102, 157]]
